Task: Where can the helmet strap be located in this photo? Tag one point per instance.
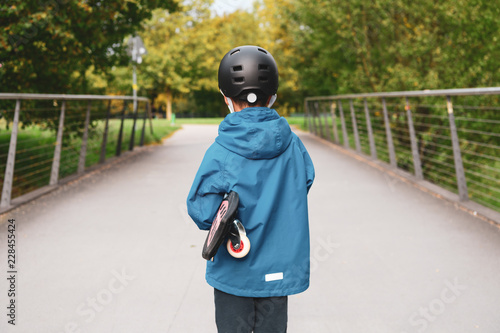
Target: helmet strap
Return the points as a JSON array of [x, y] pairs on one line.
[[271, 101], [229, 102]]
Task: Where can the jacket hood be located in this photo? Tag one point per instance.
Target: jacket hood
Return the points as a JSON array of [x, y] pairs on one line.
[[255, 133]]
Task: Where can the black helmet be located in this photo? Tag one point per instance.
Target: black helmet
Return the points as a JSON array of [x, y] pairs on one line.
[[248, 68]]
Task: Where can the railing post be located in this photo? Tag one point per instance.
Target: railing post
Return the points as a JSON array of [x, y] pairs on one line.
[[150, 119], [334, 123], [414, 144], [320, 124], [342, 123], [105, 135], [355, 127], [132, 135], [388, 133], [83, 150], [373, 149], [54, 175], [313, 120], [457, 154], [327, 127], [308, 113], [11, 159], [120, 134], [144, 123]]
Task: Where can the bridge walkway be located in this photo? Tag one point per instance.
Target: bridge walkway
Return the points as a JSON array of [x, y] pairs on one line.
[[116, 252]]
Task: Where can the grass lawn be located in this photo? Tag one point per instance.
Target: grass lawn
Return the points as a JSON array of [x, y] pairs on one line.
[[294, 121], [299, 122], [198, 121]]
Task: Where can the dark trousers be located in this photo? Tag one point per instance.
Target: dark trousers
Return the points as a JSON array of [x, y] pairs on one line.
[[235, 314]]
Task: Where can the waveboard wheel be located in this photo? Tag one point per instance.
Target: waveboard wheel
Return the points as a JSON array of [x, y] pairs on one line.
[[243, 249]]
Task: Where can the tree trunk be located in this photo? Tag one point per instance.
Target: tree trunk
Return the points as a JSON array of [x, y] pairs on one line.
[[169, 104]]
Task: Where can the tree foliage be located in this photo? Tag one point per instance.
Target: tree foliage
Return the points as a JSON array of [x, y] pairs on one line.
[[48, 46], [385, 45], [184, 51], [322, 47]]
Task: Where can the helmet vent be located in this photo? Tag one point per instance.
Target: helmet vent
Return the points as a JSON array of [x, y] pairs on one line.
[[263, 67], [237, 68], [262, 50], [240, 79], [235, 51], [263, 79]]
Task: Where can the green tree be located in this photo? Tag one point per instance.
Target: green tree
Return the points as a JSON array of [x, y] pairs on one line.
[[178, 52], [48, 46], [386, 45], [276, 37], [184, 51]]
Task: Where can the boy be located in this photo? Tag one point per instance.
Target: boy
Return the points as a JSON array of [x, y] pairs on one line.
[[257, 156]]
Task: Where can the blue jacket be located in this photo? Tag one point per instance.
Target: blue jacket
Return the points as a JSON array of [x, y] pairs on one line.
[[257, 155]]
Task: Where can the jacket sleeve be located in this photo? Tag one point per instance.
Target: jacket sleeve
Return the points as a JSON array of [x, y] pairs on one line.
[[208, 189], [310, 173]]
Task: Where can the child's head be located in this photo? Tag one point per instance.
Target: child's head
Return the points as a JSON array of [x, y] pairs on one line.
[[248, 76]]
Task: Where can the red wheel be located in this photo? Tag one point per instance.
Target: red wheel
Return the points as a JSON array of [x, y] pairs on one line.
[[242, 250]]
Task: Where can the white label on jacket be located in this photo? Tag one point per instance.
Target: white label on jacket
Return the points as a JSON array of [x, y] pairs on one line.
[[274, 277]]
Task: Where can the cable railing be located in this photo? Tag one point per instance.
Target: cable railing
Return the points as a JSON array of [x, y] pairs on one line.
[[450, 138], [47, 137]]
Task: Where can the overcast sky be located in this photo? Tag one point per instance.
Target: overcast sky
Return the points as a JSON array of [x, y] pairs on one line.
[[228, 6]]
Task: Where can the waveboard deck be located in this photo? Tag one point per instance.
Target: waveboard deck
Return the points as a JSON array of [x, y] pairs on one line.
[[226, 214]]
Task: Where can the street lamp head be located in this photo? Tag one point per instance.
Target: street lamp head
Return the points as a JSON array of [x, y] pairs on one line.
[[136, 49]]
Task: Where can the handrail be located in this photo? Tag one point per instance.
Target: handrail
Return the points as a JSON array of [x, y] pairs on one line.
[[55, 159], [425, 138], [69, 97], [415, 93]]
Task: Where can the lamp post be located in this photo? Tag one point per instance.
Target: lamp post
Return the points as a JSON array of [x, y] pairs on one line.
[[136, 50]]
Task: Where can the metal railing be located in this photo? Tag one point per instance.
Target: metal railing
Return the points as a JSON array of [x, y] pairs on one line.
[[448, 137], [51, 136]]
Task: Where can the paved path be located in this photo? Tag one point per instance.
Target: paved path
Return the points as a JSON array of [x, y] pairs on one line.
[[116, 252]]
